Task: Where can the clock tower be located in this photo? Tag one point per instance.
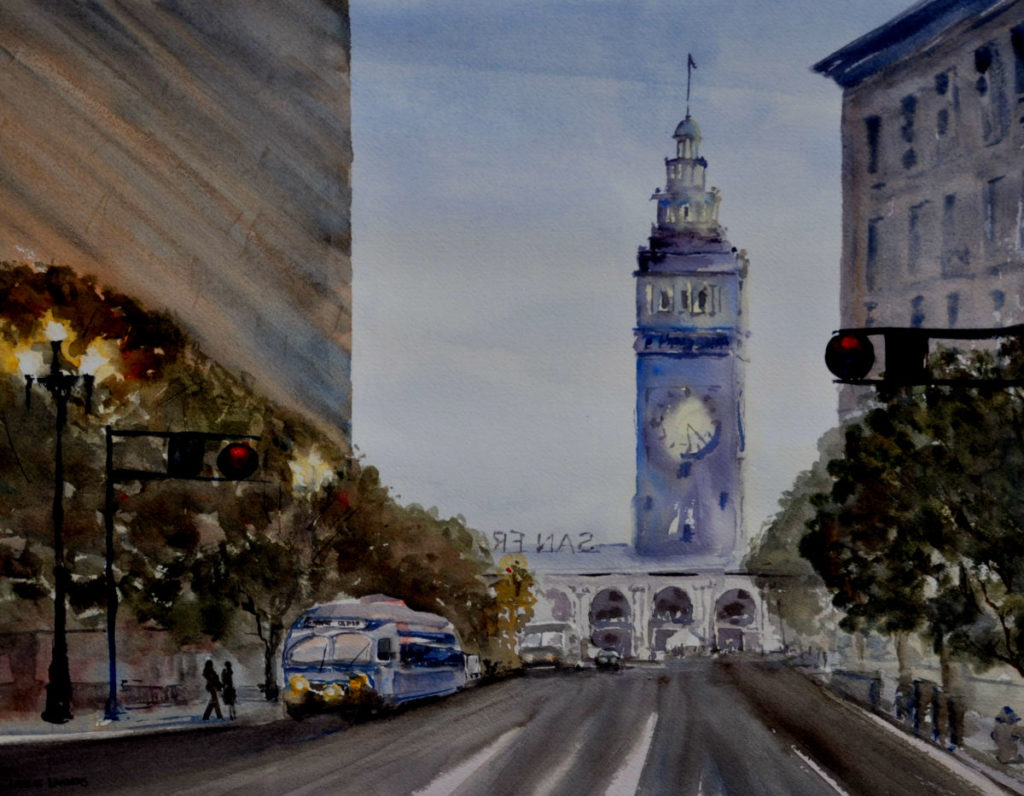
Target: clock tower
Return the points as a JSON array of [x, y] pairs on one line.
[[689, 372]]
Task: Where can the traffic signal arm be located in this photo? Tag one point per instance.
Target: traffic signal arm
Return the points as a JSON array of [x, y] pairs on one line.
[[850, 355]]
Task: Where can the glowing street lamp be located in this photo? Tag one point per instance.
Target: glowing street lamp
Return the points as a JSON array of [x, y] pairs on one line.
[[60, 384]]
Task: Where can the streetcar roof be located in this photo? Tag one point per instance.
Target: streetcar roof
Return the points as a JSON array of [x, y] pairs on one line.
[[378, 607]]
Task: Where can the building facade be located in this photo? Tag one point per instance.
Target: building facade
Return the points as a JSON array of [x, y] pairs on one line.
[[678, 589], [932, 181], [197, 157]]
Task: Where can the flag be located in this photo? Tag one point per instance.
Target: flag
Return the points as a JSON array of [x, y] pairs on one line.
[[690, 62]]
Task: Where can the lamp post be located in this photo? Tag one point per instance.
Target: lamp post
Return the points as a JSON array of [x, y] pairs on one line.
[[60, 384]]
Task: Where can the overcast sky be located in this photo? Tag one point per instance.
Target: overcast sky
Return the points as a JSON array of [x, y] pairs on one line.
[[505, 154]]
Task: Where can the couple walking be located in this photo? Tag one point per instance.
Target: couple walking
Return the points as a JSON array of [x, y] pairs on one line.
[[214, 684]]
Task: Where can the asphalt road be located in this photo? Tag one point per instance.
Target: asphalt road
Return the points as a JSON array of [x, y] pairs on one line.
[[703, 727]]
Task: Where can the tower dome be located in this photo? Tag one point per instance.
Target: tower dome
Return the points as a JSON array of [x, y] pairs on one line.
[[687, 136], [687, 128]]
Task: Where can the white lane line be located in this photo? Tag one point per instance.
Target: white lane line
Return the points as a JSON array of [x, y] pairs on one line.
[[820, 772], [447, 782], [627, 778]]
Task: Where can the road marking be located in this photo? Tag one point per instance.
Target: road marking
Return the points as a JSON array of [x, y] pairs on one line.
[[447, 782], [820, 772], [627, 778]]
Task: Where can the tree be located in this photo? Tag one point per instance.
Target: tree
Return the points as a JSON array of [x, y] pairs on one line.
[[197, 558], [920, 530], [790, 584], [515, 595]]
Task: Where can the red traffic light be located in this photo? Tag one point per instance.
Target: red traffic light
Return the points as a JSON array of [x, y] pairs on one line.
[[849, 356], [237, 461]]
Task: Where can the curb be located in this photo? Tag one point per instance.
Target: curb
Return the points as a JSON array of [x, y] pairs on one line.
[[973, 759]]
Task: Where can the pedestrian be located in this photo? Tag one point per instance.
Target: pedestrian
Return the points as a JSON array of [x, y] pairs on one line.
[[1007, 736], [213, 685], [227, 679], [938, 723]]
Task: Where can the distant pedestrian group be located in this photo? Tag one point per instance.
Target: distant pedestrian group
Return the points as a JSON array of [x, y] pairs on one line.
[[222, 684]]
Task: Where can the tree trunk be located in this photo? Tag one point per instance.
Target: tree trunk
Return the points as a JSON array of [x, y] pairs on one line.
[[903, 667], [270, 645]]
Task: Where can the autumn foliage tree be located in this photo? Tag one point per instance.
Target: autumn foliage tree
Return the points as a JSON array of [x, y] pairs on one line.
[[205, 561]]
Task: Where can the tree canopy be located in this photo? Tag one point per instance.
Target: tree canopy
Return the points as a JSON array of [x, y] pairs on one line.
[[920, 528], [199, 559]]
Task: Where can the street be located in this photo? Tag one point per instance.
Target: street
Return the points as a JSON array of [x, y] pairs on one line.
[[700, 727]]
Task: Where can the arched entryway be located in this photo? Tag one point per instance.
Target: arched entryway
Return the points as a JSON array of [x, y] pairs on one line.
[[561, 605], [671, 615], [610, 622], [734, 611]]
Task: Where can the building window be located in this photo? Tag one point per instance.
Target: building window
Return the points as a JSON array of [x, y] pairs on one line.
[[649, 298], [873, 249], [917, 311], [952, 308], [915, 238], [873, 125], [908, 105], [991, 86], [989, 201], [941, 83], [998, 302], [665, 301], [1017, 43], [1020, 218], [955, 257], [869, 312]]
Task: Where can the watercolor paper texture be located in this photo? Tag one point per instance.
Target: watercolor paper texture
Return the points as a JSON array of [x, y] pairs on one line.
[[429, 398]]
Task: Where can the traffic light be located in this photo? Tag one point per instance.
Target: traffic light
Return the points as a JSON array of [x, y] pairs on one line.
[[237, 461], [186, 453], [849, 355]]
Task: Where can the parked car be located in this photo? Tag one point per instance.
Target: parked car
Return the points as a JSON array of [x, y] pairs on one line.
[[608, 659]]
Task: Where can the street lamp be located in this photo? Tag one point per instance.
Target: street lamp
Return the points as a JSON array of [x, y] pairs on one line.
[[59, 383]]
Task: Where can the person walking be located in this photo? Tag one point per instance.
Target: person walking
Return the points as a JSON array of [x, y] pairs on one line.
[[227, 679], [1007, 736], [213, 685]]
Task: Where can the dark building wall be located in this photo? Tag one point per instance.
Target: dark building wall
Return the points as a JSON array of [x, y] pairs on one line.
[[197, 155]]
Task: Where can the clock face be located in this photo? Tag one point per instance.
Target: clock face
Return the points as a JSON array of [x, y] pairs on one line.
[[682, 423]]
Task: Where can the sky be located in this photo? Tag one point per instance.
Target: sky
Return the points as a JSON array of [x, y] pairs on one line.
[[504, 158]]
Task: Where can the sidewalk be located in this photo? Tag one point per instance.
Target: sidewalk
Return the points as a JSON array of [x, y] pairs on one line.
[[91, 725], [977, 752]]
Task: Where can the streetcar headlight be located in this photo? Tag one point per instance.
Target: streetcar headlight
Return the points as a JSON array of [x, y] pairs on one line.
[[298, 683], [332, 691], [358, 681]]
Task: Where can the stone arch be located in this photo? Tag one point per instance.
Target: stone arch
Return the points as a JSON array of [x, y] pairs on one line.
[[611, 621], [671, 614], [734, 611], [561, 605]]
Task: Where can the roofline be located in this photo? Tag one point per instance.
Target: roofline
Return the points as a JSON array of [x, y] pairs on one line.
[[885, 45]]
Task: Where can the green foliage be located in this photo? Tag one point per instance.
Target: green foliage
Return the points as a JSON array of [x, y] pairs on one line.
[[791, 586], [920, 530]]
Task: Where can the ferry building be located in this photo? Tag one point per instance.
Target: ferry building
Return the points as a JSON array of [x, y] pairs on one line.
[[678, 588]]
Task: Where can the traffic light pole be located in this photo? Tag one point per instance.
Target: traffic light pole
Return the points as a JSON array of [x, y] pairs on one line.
[[114, 475], [850, 355]]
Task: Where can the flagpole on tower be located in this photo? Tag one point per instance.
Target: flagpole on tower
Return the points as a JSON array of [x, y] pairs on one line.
[[690, 66]]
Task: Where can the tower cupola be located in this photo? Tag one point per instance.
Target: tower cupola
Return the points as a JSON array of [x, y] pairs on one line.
[[686, 208]]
